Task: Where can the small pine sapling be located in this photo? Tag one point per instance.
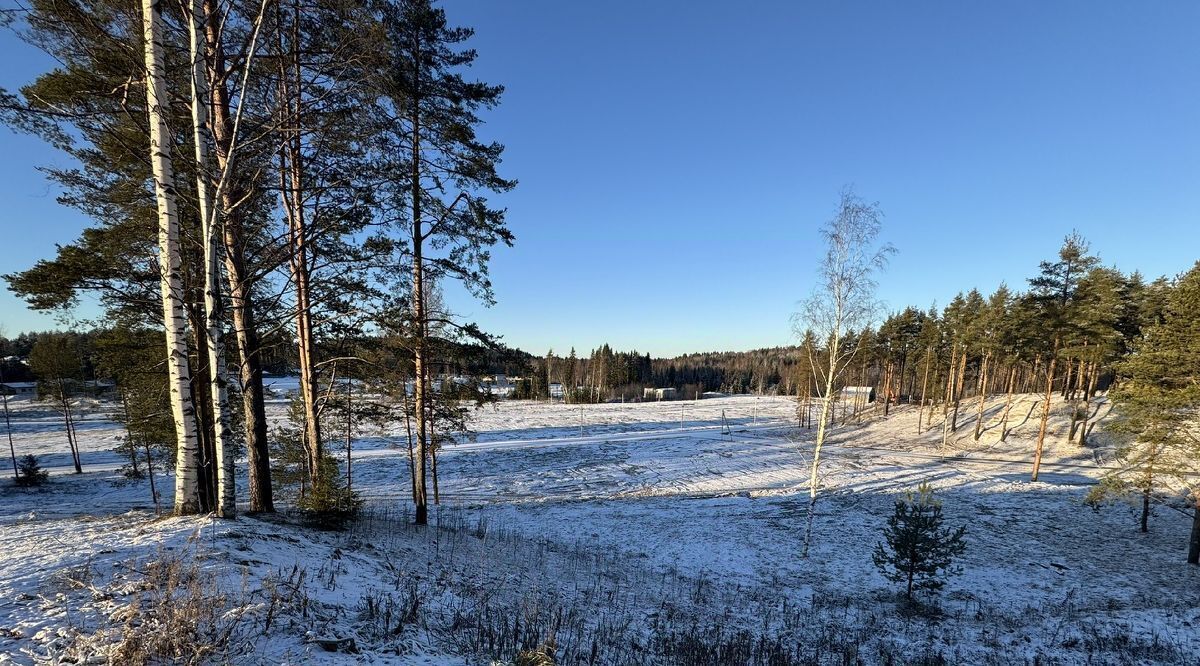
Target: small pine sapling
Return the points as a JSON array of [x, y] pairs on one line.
[[918, 550], [31, 472]]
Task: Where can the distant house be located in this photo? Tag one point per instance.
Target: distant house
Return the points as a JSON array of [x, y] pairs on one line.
[[556, 390], [501, 386], [659, 394], [858, 394], [20, 389]]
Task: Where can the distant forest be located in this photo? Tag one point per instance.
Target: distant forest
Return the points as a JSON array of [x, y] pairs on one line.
[[605, 374]]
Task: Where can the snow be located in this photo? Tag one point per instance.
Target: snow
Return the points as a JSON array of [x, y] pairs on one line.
[[545, 497]]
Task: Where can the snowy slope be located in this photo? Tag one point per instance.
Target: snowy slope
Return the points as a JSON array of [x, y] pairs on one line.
[[704, 517]]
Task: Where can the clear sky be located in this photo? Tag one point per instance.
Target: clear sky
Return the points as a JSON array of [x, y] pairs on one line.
[[676, 158]]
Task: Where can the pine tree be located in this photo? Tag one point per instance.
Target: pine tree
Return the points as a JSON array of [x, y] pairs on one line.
[[30, 472], [1158, 401], [1054, 292], [435, 173], [917, 550]]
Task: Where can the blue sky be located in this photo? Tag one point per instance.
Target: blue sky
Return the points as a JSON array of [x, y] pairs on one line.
[[675, 159]]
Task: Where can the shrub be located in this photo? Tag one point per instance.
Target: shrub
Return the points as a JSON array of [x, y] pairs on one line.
[[919, 551]]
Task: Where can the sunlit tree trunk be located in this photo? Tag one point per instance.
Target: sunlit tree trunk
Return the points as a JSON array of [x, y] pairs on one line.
[[1037, 456], [213, 311], [245, 326], [924, 388], [419, 316], [983, 386], [1008, 403], [170, 282], [292, 190]]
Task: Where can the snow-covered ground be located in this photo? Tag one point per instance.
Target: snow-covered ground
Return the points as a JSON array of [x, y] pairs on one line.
[[628, 521]]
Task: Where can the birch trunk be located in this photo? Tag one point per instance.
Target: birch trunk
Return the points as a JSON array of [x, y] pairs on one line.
[[170, 281], [226, 505], [822, 430]]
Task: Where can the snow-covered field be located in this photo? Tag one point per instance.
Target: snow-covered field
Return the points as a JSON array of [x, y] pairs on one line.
[[639, 533]]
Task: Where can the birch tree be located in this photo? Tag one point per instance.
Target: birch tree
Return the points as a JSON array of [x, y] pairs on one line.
[[842, 301], [213, 311], [170, 269]]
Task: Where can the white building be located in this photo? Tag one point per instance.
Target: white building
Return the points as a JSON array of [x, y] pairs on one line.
[[659, 394], [20, 389]]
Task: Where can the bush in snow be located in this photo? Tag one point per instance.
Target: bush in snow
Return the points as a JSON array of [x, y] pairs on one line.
[[542, 655], [31, 473], [330, 504], [918, 551]]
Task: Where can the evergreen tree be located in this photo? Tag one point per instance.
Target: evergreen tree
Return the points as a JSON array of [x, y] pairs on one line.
[[917, 550], [1053, 291], [434, 174], [1158, 401], [30, 472]]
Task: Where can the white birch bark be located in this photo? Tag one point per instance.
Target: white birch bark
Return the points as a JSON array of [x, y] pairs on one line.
[[213, 311], [844, 301], [171, 283]]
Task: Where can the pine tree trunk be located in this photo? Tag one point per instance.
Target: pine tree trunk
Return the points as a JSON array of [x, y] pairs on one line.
[[71, 442], [887, 389], [349, 432], [412, 470], [433, 469], [924, 387], [74, 439], [1008, 402], [1089, 389], [418, 270], [206, 478], [983, 379], [171, 281], [958, 389], [292, 191], [150, 475], [245, 325], [12, 450], [1066, 388], [1145, 519], [1037, 456], [226, 504], [133, 452]]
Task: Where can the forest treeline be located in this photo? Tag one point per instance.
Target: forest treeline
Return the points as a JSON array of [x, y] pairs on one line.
[[975, 344]]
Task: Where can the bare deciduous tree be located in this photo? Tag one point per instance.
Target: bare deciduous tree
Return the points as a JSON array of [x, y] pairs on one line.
[[843, 301]]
